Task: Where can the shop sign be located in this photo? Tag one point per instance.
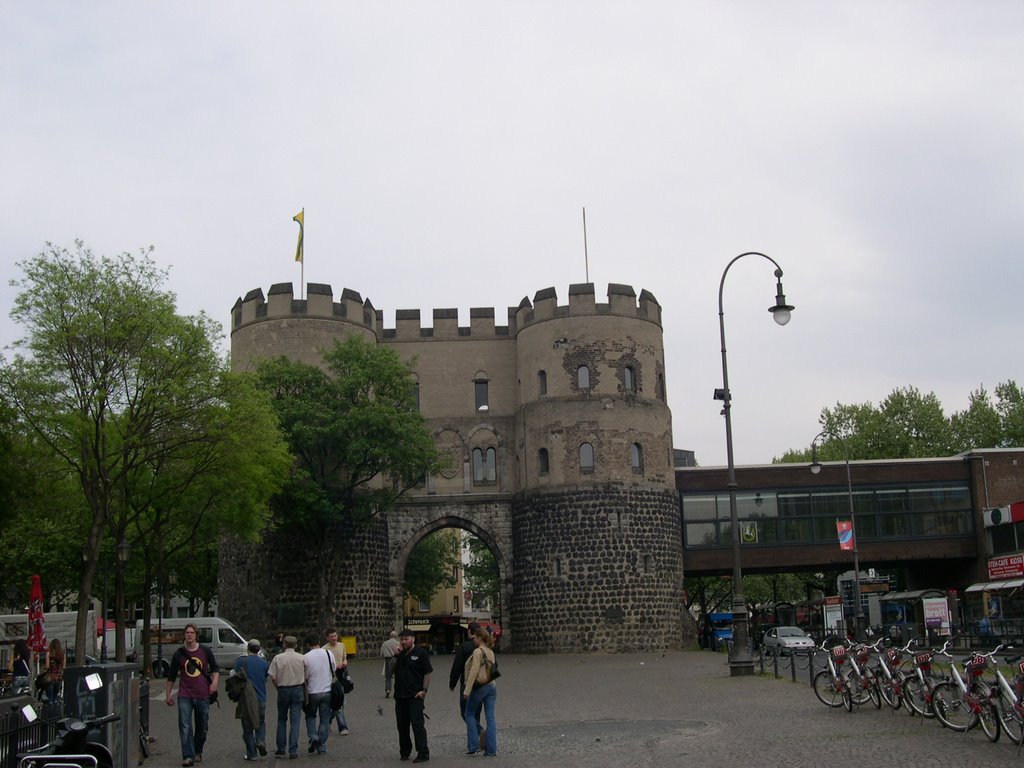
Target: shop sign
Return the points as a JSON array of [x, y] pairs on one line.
[[936, 614], [1008, 567]]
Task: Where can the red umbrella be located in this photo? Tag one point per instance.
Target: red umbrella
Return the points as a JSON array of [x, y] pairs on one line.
[[36, 623]]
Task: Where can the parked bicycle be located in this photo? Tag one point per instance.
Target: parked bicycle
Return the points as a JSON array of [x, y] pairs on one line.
[[830, 686], [962, 703], [920, 680], [890, 682], [1011, 701]]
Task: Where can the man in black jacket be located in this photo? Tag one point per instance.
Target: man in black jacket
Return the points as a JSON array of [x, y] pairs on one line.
[[462, 654], [412, 679]]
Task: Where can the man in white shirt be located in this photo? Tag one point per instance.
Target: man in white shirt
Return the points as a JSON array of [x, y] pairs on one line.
[[319, 674]]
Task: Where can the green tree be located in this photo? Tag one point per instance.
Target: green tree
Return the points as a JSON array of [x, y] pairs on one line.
[[481, 576], [433, 564], [359, 444], [978, 426], [1010, 406], [908, 424], [123, 391]]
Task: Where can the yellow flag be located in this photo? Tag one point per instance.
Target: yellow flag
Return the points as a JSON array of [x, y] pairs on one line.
[[299, 217]]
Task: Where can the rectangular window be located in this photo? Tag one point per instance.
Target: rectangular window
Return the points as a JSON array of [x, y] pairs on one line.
[[480, 389], [423, 607], [701, 535], [455, 604]]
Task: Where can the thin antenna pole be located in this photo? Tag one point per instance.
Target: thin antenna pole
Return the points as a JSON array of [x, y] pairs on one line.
[[586, 256]]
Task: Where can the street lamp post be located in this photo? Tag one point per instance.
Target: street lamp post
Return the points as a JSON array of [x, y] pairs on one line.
[[858, 607], [120, 612], [159, 668], [741, 659]]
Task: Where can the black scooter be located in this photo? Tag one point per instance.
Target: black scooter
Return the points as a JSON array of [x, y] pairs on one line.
[[73, 746]]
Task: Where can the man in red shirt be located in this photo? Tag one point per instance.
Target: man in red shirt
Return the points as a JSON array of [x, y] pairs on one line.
[[199, 674]]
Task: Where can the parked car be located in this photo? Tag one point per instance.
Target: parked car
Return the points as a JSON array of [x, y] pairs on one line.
[[785, 640]]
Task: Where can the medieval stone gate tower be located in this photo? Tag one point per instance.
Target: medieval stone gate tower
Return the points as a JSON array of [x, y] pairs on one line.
[[562, 440]]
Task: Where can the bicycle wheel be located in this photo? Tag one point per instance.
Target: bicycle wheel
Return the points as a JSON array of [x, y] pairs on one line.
[[825, 691], [848, 699], [916, 696], [950, 707], [1011, 719], [859, 687], [889, 694], [989, 716], [873, 692]]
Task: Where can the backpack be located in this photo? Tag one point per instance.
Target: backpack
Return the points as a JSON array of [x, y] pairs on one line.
[[235, 686]]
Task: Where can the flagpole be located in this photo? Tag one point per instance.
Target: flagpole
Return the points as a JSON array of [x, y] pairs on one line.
[[300, 255], [586, 256]]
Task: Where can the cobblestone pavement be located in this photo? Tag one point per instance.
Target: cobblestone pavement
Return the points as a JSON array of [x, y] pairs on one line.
[[677, 708]]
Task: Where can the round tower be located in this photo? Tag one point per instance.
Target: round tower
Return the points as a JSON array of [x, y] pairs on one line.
[[299, 329], [596, 521]]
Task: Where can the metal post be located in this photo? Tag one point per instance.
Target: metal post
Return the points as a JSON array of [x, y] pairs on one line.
[[858, 606], [741, 660]]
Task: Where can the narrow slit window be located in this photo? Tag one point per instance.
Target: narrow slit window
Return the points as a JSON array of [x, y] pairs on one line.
[[583, 377], [587, 457]]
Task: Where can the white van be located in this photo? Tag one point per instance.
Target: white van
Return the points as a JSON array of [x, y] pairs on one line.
[[224, 640]]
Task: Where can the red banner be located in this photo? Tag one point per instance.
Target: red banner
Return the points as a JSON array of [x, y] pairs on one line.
[[36, 627], [845, 530]]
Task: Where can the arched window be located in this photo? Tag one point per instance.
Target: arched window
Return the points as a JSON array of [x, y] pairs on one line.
[[636, 458], [484, 469], [586, 457], [629, 379], [542, 382], [583, 377], [542, 460]]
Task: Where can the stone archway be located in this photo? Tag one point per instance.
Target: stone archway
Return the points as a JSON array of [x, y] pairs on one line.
[[488, 521]]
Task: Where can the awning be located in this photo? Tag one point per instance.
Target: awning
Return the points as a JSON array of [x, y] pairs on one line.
[[909, 597], [992, 586], [487, 624]]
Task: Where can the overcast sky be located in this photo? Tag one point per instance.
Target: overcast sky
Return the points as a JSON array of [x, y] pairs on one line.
[[443, 152]]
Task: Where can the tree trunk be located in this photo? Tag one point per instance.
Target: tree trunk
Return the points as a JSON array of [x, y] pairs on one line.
[[85, 592]]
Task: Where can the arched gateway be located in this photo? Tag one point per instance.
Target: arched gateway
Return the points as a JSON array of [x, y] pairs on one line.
[[562, 464]]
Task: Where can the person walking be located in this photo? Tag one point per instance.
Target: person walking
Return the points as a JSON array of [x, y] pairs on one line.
[[21, 666], [56, 663], [253, 704], [457, 679], [412, 679], [480, 690], [319, 663], [337, 649], [288, 674], [196, 666], [388, 650]]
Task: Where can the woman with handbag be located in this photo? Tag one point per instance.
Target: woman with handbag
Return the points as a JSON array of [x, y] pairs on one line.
[[480, 688]]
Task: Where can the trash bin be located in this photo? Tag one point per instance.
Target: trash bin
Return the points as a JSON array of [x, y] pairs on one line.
[[119, 695]]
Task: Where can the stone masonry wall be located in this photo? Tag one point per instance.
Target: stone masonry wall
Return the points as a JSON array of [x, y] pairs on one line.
[[262, 583], [598, 570]]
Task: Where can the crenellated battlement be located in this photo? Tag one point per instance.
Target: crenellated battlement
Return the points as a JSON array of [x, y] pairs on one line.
[[280, 303]]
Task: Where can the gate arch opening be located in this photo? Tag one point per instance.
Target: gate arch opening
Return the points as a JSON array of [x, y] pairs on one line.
[[441, 624]]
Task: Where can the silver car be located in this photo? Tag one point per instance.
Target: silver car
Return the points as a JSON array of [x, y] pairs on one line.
[[785, 640]]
